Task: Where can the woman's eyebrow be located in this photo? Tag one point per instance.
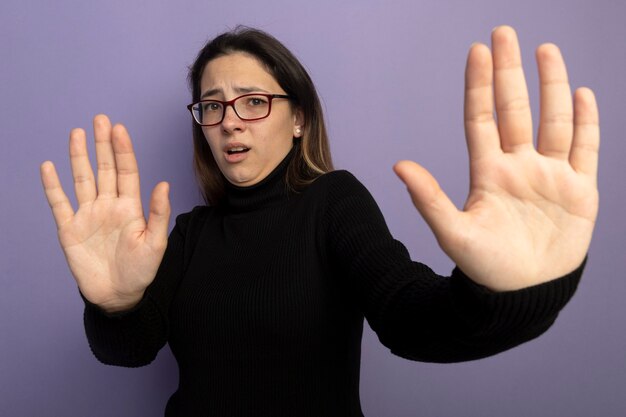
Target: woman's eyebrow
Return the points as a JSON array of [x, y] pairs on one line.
[[238, 90]]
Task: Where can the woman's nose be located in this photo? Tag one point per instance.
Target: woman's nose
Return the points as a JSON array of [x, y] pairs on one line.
[[231, 120]]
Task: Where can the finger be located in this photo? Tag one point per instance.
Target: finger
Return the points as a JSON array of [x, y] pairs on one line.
[[556, 116], [59, 203], [511, 94], [84, 182], [481, 130], [158, 219], [586, 143], [125, 162], [107, 175], [429, 199]]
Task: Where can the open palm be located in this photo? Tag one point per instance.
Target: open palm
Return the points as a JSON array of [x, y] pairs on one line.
[[530, 212], [112, 251]]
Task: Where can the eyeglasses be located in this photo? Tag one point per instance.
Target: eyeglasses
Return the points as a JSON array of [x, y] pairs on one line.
[[247, 107]]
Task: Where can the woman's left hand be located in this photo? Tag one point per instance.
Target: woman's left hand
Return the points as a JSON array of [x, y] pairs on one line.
[[531, 211]]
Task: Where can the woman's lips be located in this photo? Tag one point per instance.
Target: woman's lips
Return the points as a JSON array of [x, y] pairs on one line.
[[237, 149], [235, 152]]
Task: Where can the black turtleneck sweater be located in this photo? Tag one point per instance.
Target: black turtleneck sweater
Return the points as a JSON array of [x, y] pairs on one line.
[[262, 300]]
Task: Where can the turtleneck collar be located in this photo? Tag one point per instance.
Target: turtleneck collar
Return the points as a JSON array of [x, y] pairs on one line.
[[269, 191]]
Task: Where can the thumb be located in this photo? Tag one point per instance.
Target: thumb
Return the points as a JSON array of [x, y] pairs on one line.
[[429, 199], [158, 220]]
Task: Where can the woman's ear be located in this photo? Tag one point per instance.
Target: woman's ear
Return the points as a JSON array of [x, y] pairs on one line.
[[298, 125]]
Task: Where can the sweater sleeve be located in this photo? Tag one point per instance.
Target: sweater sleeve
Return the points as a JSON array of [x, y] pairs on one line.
[[416, 313], [133, 338]]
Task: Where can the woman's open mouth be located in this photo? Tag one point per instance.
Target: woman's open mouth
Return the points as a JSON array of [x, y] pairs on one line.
[[238, 149]]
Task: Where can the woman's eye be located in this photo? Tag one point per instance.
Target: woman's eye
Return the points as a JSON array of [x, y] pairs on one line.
[[256, 101], [210, 107]]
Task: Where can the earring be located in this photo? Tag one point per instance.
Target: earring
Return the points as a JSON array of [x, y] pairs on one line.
[[298, 130]]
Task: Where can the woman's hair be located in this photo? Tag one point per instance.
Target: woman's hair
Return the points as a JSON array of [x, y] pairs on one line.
[[311, 152]]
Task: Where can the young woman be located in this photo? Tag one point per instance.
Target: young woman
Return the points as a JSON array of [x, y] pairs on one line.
[[261, 293]]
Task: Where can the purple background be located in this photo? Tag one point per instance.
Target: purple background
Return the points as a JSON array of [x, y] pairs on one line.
[[390, 75]]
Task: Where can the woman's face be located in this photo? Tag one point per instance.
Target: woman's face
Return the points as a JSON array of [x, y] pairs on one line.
[[246, 152]]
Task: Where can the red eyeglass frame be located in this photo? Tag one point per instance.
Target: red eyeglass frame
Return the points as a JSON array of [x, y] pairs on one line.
[[231, 103]]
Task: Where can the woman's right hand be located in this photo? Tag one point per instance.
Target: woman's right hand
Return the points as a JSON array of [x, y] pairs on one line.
[[111, 250]]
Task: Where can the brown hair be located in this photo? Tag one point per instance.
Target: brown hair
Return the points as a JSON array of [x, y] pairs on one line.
[[312, 152]]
